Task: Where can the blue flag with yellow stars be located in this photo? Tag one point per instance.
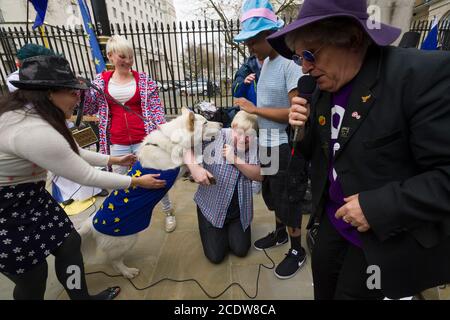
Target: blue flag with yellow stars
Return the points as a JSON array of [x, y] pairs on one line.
[[41, 9], [99, 62], [129, 211]]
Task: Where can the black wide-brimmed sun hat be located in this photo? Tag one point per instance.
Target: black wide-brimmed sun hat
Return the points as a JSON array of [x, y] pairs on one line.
[[47, 72], [317, 10]]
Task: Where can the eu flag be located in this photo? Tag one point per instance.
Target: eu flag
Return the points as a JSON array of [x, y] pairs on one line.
[[431, 41], [41, 9], [100, 65]]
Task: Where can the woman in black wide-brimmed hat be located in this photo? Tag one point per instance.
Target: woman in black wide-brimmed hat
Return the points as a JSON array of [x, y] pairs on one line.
[[377, 135], [35, 139]]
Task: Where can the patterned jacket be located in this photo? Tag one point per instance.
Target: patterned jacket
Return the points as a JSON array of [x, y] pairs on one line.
[[152, 109]]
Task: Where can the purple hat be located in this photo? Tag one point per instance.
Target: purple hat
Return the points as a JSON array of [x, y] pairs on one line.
[[316, 10]]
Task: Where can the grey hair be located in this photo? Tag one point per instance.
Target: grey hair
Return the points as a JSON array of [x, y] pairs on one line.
[[336, 31]]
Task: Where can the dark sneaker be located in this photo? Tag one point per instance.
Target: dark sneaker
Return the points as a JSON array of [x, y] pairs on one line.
[[103, 193], [291, 264], [273, 239]]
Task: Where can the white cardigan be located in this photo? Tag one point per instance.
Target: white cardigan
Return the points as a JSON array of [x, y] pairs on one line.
[[29, 147]]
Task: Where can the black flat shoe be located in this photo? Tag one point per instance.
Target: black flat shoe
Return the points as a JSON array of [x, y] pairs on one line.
[[68, 202], [109, 294], [103, 193]]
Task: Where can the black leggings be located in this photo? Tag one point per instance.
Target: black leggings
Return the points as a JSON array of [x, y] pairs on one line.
[[68, 265]]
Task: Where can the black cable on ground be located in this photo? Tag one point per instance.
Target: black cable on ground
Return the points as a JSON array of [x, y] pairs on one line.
[[198, 283]]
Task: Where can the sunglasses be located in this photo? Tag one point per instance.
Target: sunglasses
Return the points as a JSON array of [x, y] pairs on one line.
[[306, 55]]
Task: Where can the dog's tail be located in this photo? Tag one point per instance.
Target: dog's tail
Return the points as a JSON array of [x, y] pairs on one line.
[[86, 228]]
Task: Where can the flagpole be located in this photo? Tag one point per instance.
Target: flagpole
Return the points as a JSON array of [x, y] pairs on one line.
[[101, 18], [44, 37], [28, 19]]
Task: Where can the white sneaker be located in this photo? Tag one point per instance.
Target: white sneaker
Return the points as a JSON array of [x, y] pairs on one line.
[[170, 221]]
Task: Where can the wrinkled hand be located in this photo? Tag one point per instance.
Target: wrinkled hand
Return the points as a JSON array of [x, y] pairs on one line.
[[149, 181], [351, 213], [201, 175], [228, 153], [250, 78], [299, 112], [126, 161], [246, 105]]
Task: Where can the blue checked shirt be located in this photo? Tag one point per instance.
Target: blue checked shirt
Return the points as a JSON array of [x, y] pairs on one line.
[[214, 200]]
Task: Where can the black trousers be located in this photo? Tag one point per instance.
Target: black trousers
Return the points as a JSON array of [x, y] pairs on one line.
[[218, 242], [339, 268]]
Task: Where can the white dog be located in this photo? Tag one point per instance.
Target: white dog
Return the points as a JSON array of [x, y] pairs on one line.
[[124, 213]]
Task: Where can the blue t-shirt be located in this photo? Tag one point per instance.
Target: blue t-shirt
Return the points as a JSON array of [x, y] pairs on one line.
[[128, 211]]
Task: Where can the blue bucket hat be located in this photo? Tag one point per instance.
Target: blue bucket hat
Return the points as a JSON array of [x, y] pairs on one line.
[[257, 16]]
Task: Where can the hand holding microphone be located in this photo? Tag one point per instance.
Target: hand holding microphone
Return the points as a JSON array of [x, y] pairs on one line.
[[299, 111]]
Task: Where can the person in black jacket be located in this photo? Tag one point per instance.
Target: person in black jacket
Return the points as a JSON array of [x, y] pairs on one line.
[[246, 76], [377, 133]]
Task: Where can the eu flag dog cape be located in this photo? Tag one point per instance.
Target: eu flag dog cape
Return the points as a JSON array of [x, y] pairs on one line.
[[129, 211]]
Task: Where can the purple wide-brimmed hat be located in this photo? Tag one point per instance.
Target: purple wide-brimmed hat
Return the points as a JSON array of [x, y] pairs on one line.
[[316, 10]]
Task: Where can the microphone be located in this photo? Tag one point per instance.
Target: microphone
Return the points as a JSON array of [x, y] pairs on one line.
[[88, 83], [305, 87]]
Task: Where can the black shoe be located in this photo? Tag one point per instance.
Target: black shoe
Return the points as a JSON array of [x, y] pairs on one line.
[[109, 294], [291, 264], [68, 202], [103, 193], [273, 239]]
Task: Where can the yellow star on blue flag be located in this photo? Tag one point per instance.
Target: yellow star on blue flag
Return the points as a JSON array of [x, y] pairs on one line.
[[100, 65]]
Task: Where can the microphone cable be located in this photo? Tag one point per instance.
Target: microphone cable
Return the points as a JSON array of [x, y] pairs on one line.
[[211, 296]]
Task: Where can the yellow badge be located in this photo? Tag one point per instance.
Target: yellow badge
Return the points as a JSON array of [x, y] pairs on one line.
[[125, 200], [322, 120], [366, 98]]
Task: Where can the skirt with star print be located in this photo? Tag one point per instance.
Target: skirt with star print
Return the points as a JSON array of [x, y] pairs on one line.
[[32, 226]]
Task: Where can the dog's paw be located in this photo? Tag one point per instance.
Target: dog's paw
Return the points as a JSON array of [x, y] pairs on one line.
[[130, 273]]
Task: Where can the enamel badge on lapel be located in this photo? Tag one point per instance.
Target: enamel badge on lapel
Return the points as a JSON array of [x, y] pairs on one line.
[[356, 115], [345, 132], [322, 120], [366, 98]]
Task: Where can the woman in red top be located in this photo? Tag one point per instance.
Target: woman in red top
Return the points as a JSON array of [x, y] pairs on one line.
[[122, 129]]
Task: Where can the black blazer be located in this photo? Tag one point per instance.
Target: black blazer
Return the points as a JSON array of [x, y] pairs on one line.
[[395, 152]]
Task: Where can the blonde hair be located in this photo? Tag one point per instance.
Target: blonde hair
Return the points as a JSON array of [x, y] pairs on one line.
[[245, 121], [120, 45]]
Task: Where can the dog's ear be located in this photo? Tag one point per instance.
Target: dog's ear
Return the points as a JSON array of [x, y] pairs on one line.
[[191, 122]]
